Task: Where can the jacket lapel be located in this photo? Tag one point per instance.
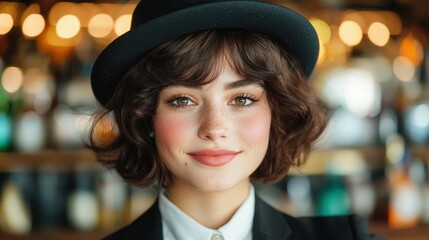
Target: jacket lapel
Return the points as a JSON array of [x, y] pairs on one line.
[[268, 223], [148, 225]]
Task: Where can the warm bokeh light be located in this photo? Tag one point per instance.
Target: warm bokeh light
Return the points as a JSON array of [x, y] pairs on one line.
[[403, 68], [12, 79], [67, 26], [100, 25], [105, 131], [122, 24], [365, 18], [6, 23], [35, 80], [357, 17], [323, 30], [64, 45], [61, 9], [350, 33], [362, 93], [90, 9], [322, 54], [33, 25], [379, 34], [412, 49], [354, 89]]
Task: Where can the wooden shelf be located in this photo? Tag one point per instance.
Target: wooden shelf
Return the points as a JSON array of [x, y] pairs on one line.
[[67, 159], [420, 232], [63, 234], [58, 159], [374, 156]]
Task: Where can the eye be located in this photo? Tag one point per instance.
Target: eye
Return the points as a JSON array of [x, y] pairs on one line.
[[182, 102], [242, 101]]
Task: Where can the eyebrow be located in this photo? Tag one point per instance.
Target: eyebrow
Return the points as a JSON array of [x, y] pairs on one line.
[[242, 83]]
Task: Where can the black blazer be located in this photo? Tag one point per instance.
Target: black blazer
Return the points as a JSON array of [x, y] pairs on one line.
[[268, 224]]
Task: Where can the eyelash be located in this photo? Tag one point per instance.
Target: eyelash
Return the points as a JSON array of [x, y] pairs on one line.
[[247, 96], [176, 98]]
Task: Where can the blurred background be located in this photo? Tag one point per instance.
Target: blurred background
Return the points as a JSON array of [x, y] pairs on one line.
[[373, 72]]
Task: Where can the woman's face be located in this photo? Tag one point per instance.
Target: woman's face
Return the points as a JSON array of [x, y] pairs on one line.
[[213, 137]]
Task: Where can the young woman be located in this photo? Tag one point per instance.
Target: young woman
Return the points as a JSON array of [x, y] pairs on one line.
[[206, 97]]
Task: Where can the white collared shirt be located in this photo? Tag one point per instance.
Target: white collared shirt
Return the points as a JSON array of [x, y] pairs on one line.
[[176, 225]]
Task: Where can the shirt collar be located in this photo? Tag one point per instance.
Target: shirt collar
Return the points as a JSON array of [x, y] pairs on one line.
[[177, 225]]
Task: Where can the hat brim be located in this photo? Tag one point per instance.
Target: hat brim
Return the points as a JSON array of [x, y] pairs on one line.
[[289, 29]]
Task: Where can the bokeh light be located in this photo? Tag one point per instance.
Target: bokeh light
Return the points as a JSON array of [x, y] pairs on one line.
[[30, 132], [403, 68], [12, 79], [350, 33], [412, 49], [378, 34], [122, 24], [35, 80], [6, 23], [5, 131], [61, 9], [362, 93], [67, 26], [354, 89], [100, 25], [33, 25], [417, 123], [323, 30]]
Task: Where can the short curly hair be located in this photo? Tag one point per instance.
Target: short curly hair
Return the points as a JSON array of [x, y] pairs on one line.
[[298, 115]]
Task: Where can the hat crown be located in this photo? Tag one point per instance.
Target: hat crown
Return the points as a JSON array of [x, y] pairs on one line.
[[147, 10], [158, 21]]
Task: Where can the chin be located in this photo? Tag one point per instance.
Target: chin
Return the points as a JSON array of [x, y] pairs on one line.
[[218, 185]]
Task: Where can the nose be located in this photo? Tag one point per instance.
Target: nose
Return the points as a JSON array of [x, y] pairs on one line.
[[213, 124]]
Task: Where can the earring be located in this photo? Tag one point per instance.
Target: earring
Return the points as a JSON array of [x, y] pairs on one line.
[[151, 134]]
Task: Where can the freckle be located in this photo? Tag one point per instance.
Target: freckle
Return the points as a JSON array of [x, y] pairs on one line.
[[186, 164]]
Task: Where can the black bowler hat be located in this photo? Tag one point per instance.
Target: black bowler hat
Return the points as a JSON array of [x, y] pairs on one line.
[[157, 21]]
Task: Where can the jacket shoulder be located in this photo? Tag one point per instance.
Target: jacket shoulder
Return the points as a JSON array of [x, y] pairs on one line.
[[147, 226]]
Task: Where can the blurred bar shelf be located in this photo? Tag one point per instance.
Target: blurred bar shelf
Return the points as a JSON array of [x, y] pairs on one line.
[[375, 158], [63, 234], [67, 159], [419, 232], [58, 159]]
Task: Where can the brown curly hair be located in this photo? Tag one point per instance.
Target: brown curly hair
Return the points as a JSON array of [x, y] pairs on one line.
[[298, 116]]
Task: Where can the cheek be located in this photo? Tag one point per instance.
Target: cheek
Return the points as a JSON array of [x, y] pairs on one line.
[[260, 128], [170, 130]]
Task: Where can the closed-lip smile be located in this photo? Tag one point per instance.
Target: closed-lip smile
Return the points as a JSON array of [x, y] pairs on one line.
[[214, 157]]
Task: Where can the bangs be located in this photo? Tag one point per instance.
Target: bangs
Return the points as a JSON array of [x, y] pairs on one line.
[[198, 58]]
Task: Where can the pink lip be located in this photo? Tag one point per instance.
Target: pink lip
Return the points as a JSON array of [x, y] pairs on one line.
[[215, 157]]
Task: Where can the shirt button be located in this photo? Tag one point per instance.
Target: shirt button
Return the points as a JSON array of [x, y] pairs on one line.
[[216, 236]]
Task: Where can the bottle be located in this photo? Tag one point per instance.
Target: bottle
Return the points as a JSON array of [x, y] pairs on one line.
[[16, 215], [5, 121], [82, 202], [112, 192], [334, 198], [51, 199], [405, 204], [299, 193]]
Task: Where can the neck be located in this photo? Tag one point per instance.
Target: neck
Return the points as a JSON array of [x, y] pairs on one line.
[[210, 209]]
